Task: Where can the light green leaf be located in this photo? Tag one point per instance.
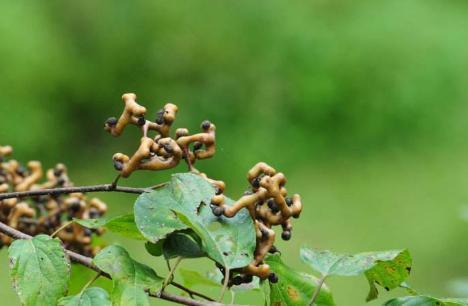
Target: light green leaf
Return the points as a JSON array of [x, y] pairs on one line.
[[422, 300], [294, 288], [153, 211], [90, 297], [388, 269], [123, 225], [39, 269], [229, 241], [130, 277], [194, 278]]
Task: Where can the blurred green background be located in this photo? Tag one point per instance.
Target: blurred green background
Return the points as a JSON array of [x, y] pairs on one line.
[[362, 104]]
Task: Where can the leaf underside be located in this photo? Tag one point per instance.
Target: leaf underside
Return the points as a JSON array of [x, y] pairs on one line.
[[90, 297]]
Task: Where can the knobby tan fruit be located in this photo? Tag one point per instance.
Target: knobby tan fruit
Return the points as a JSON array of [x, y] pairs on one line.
[[46, 214]]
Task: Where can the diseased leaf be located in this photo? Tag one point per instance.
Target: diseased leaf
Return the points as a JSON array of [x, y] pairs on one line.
[[388, 269], [130, 277], [39, 269], [93, 296], [153, 211], [228, 241], [123, 225], [422, 300], [294, 288]]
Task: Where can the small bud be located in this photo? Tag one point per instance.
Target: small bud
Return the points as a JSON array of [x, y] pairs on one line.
[[205, 125]]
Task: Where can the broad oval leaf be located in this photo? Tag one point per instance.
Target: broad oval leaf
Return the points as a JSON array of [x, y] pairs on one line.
[[294, 288], [422, 300], [93, 296], [185, 244], [153, 211], [39, 269], [131, 279], [122, 225], [229, 241], [388, 269]]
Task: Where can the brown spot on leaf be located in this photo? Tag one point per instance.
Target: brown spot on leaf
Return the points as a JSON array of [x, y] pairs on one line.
[[293, 294]]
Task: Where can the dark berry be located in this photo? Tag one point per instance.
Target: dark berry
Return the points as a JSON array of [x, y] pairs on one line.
[[112, 121], [141, 121], [118, 165], [87, 232], [289, 201], [197, 145], [237, 280], [273, 206], [273, 278], [217, 211], [286, 235], [247, 279], [273, 250], [160, 117], [205, 125], [75, 207], [255, 182]]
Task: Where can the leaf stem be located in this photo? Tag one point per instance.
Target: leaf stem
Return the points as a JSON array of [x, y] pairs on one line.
[[91, 281], [61, 228], [225, 284], [170, 276], [317, 290]]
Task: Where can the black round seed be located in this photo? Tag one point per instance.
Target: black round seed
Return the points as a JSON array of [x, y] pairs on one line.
[[112, 121], [141, 121], [237, 280], [205, 125], [286, 235], [197, 145], [273, 278], [217, 211], [273, 206], [289, 201], [255, 182]]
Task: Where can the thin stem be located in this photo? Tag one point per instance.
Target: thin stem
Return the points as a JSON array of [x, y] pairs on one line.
[[116, 180], [170, 276], [91, 281], [66, 190], [191, 292], [225, 284], [61, 228], [88, 262], [187, 159], [317, 290]]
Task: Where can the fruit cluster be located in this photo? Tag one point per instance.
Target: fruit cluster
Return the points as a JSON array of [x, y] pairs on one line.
[[160, 151], [266, 201], [46, 213], [268, 205]]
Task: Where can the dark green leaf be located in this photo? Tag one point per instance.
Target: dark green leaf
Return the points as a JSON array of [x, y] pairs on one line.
[[153, 211], [90, 297], [130, 277], [294, 288], [155, 249], [185, 244], [123, 225], [39, 269], [388, 269], [422, 300]]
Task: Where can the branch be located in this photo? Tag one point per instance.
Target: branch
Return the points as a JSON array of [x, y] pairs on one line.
[[88, 262], [82, 189]]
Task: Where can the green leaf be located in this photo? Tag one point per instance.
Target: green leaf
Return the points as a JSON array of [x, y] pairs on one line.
[[193, 278], [153, 210], [184, 244], [422, 300], [123, 225], [130, 277], [39, 269], [294, 288], [155, 249], [90, 297], [388, 269], [229, 241]]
